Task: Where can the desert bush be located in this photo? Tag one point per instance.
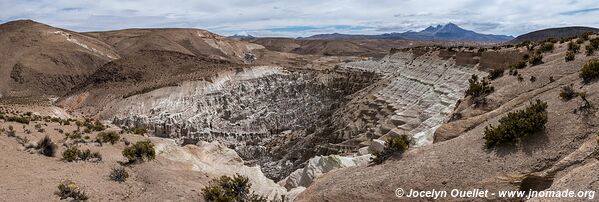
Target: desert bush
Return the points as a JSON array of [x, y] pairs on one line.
[[69, 189], [18, 119], [95, 126], [593, 45], [570, 56], [47, 147], [518, 65], [533, 78], [87, 155], [586, 106], [74, 154], [140, 151], [517, 125], [536, 60], [585, 36], [520, 78], [231, 189], [478, 88], [495, 73], [567, 93], [70, 154], [393, 145], [590, 71], [11, 132], [546, 47], [589, 50], [119, 174], [573, 47], [111, 137]]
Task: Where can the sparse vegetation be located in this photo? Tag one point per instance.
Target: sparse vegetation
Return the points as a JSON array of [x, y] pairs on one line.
[[231, 189], [69, 189], [119, 174], [517, 125], [536, 60], [70, 154], [74, 154], [593, 45], [393, 145], [570, 56], [18, 119], [590, 71], [140, 151], [478, 88], [111, 137], [495, 73], [567, 93], [546, 47], [519, 65], [573, 47], [585, 108], [47, 147]]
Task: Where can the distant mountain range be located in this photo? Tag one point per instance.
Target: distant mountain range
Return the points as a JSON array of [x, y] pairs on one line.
[[448, 32], [557, 33]]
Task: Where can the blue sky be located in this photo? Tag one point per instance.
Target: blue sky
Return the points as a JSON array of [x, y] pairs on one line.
[[304, 18]]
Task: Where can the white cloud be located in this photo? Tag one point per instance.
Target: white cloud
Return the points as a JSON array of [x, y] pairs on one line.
[[260, 17]]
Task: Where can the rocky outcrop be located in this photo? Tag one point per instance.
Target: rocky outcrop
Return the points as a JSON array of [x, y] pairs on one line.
[[415, 96], [217, 160], [319, 165], [246, 109]]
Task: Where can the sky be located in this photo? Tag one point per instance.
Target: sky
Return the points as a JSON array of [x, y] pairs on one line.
[[297, 18]]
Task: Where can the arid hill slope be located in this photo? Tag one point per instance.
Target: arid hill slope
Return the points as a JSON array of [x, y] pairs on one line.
[[546, 159], [36, 59]]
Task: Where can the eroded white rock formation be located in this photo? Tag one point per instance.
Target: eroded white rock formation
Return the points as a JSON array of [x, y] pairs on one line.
[[415, 96], [217, 160]]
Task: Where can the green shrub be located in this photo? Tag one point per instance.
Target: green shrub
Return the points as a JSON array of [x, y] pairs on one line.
[[74, 154], [231, 189], [70, 154], [570, 56], [573, 47], [111, 137], [18, 119], [567, 93], [47, 147], [140, 151], [69, 189], [536, 60], [585, 36], [478, 88], [87, 155], [546, 47], [393, 145], [519, 65], [593, 45], [589, 50], [495, 73], [517, 125], [119, 174], [590, 71]]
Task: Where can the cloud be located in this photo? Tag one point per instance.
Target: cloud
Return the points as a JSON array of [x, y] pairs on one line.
[[301, 18], [582, 11]]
